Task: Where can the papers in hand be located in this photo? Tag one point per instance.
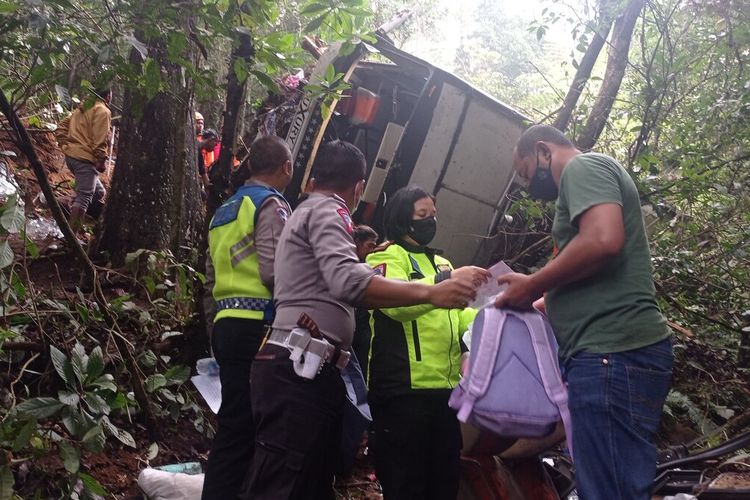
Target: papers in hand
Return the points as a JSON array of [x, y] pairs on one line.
[[487, 293]]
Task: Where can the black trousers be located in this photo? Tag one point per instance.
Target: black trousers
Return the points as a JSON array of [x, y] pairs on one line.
[[298, 429], [235, 342], [418, 446]]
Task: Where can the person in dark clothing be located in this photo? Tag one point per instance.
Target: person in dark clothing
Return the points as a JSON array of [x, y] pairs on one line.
[[365, 238]]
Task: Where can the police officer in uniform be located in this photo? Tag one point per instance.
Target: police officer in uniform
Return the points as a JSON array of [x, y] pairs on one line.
[[299, 419], [415, 361], [242, 241]]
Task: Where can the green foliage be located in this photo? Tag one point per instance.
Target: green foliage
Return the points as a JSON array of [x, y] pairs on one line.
[[84, 408], [168, 287], [88, 411], [329, 89], [85, 405], [500, 58], [46, 47], [12, 224], [690, 154], [55, 54], [343, 20]]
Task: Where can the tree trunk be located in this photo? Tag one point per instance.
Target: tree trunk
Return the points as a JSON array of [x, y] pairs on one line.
[[242, 56], [616, 64], [154, 200], [220, 175], [743, 355], [606, 16]]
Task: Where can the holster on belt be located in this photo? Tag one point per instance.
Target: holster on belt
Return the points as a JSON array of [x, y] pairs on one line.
[[309, 349]]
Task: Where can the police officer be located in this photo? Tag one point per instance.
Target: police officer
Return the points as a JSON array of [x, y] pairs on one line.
[[299, 419], [415, 361], [242, 241]]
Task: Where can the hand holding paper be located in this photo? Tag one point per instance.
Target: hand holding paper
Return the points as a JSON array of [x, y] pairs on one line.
[[520, 292], [488, 293], [472, 274]]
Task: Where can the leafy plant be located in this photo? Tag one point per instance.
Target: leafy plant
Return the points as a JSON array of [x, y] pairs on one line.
[[12, 223], [85, 405], [90, 396]]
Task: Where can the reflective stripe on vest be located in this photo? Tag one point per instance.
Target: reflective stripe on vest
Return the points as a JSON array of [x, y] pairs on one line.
[[242, 249], [245, 303], [238, 289]]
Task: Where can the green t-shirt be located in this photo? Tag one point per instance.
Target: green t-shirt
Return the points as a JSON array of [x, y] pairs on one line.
[[615, 309]]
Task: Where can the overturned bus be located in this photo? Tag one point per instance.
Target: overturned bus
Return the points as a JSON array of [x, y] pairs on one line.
[[416, 124]]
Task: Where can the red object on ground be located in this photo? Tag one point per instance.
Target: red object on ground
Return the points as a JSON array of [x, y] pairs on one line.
[[485, 477]]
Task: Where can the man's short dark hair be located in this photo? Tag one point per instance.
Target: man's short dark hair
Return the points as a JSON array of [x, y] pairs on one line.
[[536, 133], [267, 154], [209, 133], [338, 165], [399, 211], [363, 233], [104, 91]]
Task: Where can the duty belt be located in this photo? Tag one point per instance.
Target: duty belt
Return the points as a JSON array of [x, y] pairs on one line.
[[328, 352], [245, 303]]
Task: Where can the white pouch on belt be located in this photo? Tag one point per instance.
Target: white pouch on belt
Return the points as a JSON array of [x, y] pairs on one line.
[[307, 353]]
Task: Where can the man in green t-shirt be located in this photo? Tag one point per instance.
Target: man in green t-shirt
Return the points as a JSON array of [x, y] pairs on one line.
[[615, 347]]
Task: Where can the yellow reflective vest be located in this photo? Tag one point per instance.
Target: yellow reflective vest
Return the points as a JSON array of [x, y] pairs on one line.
[[417, 347], [238, 289]]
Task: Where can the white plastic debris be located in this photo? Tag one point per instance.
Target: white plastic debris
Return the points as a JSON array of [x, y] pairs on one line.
[[161, 485], [42, 228], [8, 186]]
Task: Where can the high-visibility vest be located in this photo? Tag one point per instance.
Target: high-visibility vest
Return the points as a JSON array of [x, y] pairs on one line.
[[238, 290]]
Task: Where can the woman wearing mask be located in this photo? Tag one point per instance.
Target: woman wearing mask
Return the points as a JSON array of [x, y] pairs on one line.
[[415, 360]]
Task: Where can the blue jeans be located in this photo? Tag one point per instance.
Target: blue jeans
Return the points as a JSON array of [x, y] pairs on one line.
[[615, 403]]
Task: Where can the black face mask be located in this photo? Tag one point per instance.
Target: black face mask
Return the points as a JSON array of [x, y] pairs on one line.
[[542, 185], [422, 231]]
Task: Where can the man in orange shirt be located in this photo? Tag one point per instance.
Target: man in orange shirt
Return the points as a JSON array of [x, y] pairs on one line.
[[206, 143]]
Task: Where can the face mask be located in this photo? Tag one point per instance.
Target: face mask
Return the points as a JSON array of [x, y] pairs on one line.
[[423, 230], [542, 185]]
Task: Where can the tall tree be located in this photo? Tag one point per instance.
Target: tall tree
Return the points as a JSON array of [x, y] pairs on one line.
[[607, 14], [617, 62], [241, 58], [154, 201]]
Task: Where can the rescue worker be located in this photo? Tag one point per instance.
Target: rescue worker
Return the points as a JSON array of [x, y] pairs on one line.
[[83, 137], [365, 239], [415, 361], [199, 124], [208, 140], [242, 241], [298, 417]]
